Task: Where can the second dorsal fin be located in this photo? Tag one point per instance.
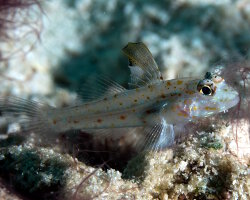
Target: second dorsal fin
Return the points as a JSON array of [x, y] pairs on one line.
[[95, 89], [143, 68]]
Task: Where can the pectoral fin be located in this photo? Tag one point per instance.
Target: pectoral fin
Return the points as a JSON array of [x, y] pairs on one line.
[[158, 137]]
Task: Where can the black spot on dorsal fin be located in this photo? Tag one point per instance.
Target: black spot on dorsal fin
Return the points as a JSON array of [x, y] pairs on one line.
[[208, 75]]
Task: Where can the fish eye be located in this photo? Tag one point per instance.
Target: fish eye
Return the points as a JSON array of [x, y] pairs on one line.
[[206, 87], [206, 90]]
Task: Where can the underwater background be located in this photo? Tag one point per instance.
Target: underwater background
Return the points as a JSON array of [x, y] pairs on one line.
[[52, 50]]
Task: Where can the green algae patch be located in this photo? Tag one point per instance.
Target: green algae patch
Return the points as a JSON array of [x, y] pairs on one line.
[[208, 140], [41, 173], [33, 171]]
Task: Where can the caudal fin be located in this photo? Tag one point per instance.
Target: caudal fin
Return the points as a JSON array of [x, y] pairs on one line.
[[31, 115]]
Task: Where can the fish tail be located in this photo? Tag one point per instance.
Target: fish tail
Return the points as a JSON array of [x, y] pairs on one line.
[[30, 115]]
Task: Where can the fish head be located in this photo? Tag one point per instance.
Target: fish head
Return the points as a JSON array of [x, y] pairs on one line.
[[202, 98], [213, 95]]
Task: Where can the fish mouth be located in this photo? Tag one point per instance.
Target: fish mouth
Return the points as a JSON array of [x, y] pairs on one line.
[[234, 102], [213, 107], [229, 103]]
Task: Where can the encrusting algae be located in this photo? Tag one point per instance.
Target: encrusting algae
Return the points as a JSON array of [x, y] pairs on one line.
[[195, 172], [189, 171]]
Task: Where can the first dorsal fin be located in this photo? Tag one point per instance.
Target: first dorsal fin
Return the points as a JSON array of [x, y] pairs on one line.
[[143, 68]]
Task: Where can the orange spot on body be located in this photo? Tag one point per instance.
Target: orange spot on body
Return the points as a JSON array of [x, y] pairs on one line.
[[168, 83], [99, 120], [187, 102], [182, 114], [189, 92], [210, 108], [195, 108], [163, 96], [122, 117], [76, 121], [174, 108], [54, 121], [179, 82]]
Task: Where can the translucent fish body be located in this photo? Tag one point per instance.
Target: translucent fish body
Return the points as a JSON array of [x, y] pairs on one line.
[[151, 102]]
